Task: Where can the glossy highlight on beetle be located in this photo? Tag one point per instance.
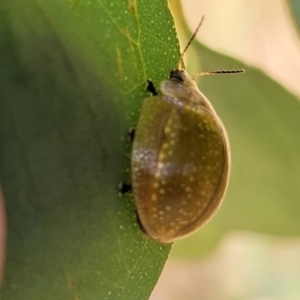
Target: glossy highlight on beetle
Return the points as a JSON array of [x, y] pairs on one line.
[[180, 158]]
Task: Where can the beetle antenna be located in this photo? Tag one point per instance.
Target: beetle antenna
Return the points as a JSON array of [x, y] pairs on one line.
[[181, 62], [219, 72]]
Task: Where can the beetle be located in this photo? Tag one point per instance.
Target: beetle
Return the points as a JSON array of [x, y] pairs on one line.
[[180, 157]]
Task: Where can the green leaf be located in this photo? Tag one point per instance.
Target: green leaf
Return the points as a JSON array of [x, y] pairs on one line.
[[263, 123], [72, 78]]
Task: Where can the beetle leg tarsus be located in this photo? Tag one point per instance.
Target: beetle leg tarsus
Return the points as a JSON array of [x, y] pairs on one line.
[[124, 188], [151, 88], [131, 134]]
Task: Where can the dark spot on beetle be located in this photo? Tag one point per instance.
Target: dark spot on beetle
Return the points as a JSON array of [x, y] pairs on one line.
[[176, 74]]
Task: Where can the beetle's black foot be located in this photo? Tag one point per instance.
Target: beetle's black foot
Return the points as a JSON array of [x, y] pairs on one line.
[[124, 188], [131, 134], [151, 88]]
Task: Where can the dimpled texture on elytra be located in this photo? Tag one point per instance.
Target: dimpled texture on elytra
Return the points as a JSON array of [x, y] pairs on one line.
[[180, 160]]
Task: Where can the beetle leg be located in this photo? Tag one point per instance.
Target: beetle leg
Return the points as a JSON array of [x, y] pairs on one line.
[[124, 188], [151, 88], [131, 134]]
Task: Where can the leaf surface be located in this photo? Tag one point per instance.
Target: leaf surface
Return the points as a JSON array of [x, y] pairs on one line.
[[72, 80]]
